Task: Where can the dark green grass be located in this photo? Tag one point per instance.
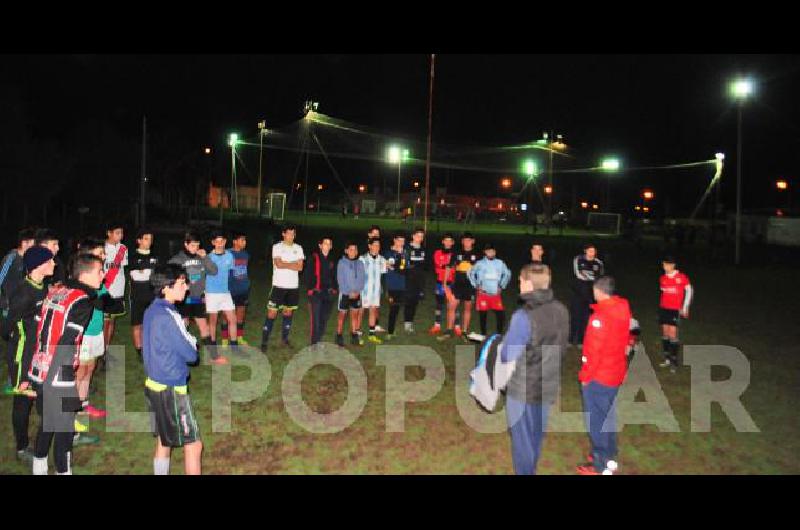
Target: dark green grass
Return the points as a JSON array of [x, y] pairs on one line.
[[751, 309]]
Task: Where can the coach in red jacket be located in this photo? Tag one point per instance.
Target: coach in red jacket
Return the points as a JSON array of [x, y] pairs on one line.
[[604, 369]]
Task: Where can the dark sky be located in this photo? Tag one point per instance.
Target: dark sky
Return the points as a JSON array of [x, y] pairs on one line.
[[649, 109]]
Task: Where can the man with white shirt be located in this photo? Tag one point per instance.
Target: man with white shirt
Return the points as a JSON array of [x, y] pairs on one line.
[[287, 261], [115, 262]]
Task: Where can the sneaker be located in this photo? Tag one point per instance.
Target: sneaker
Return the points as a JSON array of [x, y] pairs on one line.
[[94, 412], [435, 329], [263, 347], [665, 363], [85, 439], [8, 389], [25, 455], [379, 329], [445, 336], [225, 342], [80, 427], [476, 337], [587, 469], [458, 331], [221, 360], [243, 342], [409, 327], [340, 341], [356, 340], [374, 339]]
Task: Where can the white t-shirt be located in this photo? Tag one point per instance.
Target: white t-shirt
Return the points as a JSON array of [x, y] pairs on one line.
[[285, 278], [117, 287]]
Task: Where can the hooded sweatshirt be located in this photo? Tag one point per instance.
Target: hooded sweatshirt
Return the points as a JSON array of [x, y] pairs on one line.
[[350, 275], [196, 269], [605, 343], [489, 275]]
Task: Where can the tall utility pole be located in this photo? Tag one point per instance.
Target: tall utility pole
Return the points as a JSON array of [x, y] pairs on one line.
[[428, 159], [262, 129], [550, 182], [143, 180], [739, 185]]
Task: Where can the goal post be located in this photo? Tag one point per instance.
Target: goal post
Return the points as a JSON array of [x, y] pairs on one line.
[[604, 223], [275, 206]]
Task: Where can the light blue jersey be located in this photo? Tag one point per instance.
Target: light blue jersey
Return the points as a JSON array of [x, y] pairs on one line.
[[218, 283], [374, 266]]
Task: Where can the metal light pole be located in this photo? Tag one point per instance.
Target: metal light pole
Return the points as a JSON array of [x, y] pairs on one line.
[[143, 182], [233, 139], [262, 130], [738, 256]]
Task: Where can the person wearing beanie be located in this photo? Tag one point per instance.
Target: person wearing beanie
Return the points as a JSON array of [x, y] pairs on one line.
[[25, 304]]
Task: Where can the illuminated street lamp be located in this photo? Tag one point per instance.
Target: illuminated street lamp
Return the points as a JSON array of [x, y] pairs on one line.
[[505, 183], [362, 188], [648, 195], [207, 150], [416, 184], [595, 206], [741, 90], [584, 205], [782, 185], [397, 155], [609, 165], [548, 189]]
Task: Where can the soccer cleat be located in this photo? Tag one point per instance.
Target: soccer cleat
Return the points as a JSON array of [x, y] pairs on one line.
[[80, 427], [375, 340], [379, 329], [94, 412], [458, 331], [587, 469], [435, 329], [665, 363], [225, 342], [409, 327], [263, 347], [221, 360], [445, 336], [8, 389], [476, 337], [25, 455], [85, 439], [243, 342], [340, 341]]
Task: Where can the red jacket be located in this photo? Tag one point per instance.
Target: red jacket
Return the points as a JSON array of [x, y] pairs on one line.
[[441, 260], [605, 343]]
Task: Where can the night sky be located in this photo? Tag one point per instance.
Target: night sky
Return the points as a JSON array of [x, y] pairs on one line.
[[649, 109]]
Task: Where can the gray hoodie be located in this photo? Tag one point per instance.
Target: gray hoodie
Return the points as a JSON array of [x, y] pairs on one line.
[[196, 269]]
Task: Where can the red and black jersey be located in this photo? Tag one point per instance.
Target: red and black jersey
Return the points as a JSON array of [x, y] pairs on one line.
[[66, 312], [676, 291], [443, 265]]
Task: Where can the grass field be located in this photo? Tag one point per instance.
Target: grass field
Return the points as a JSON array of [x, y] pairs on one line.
[[751, 308]]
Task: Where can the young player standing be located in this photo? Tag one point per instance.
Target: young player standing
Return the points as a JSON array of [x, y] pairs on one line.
[[489, 277], [65, 314], [168, 350], [218, 296], [287, 261], [351, 277], [445, 274], [396, 263], [49, 239], [586, 268], [239, 285], [142, 263], [676, 297], [25, 306], [196, 264], [375, 267], [415, 277], [464, 292], [115, 262], [320, 280]]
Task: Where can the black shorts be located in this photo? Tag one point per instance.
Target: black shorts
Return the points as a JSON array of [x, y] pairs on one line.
[[464, 291], [345, 302], [172, 418], [241, 299], [668, 317], [114, 307], [192, 310], [138, 308], [280, 298]]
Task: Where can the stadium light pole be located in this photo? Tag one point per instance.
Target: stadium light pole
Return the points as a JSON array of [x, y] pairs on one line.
[[740, 90], [262, 130], [233, 139], [397, 155], [609, 165]]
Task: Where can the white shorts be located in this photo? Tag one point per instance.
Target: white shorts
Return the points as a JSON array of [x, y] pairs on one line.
[[92, 347], [216, 302], [368, 302]]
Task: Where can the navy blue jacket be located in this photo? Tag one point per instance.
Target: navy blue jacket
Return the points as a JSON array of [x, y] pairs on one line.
[[166, 345]]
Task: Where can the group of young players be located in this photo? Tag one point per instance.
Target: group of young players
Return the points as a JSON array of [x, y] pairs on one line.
[[46, 304]]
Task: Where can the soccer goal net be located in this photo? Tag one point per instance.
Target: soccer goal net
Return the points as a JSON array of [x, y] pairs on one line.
[[275, 206], [604, 223]]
